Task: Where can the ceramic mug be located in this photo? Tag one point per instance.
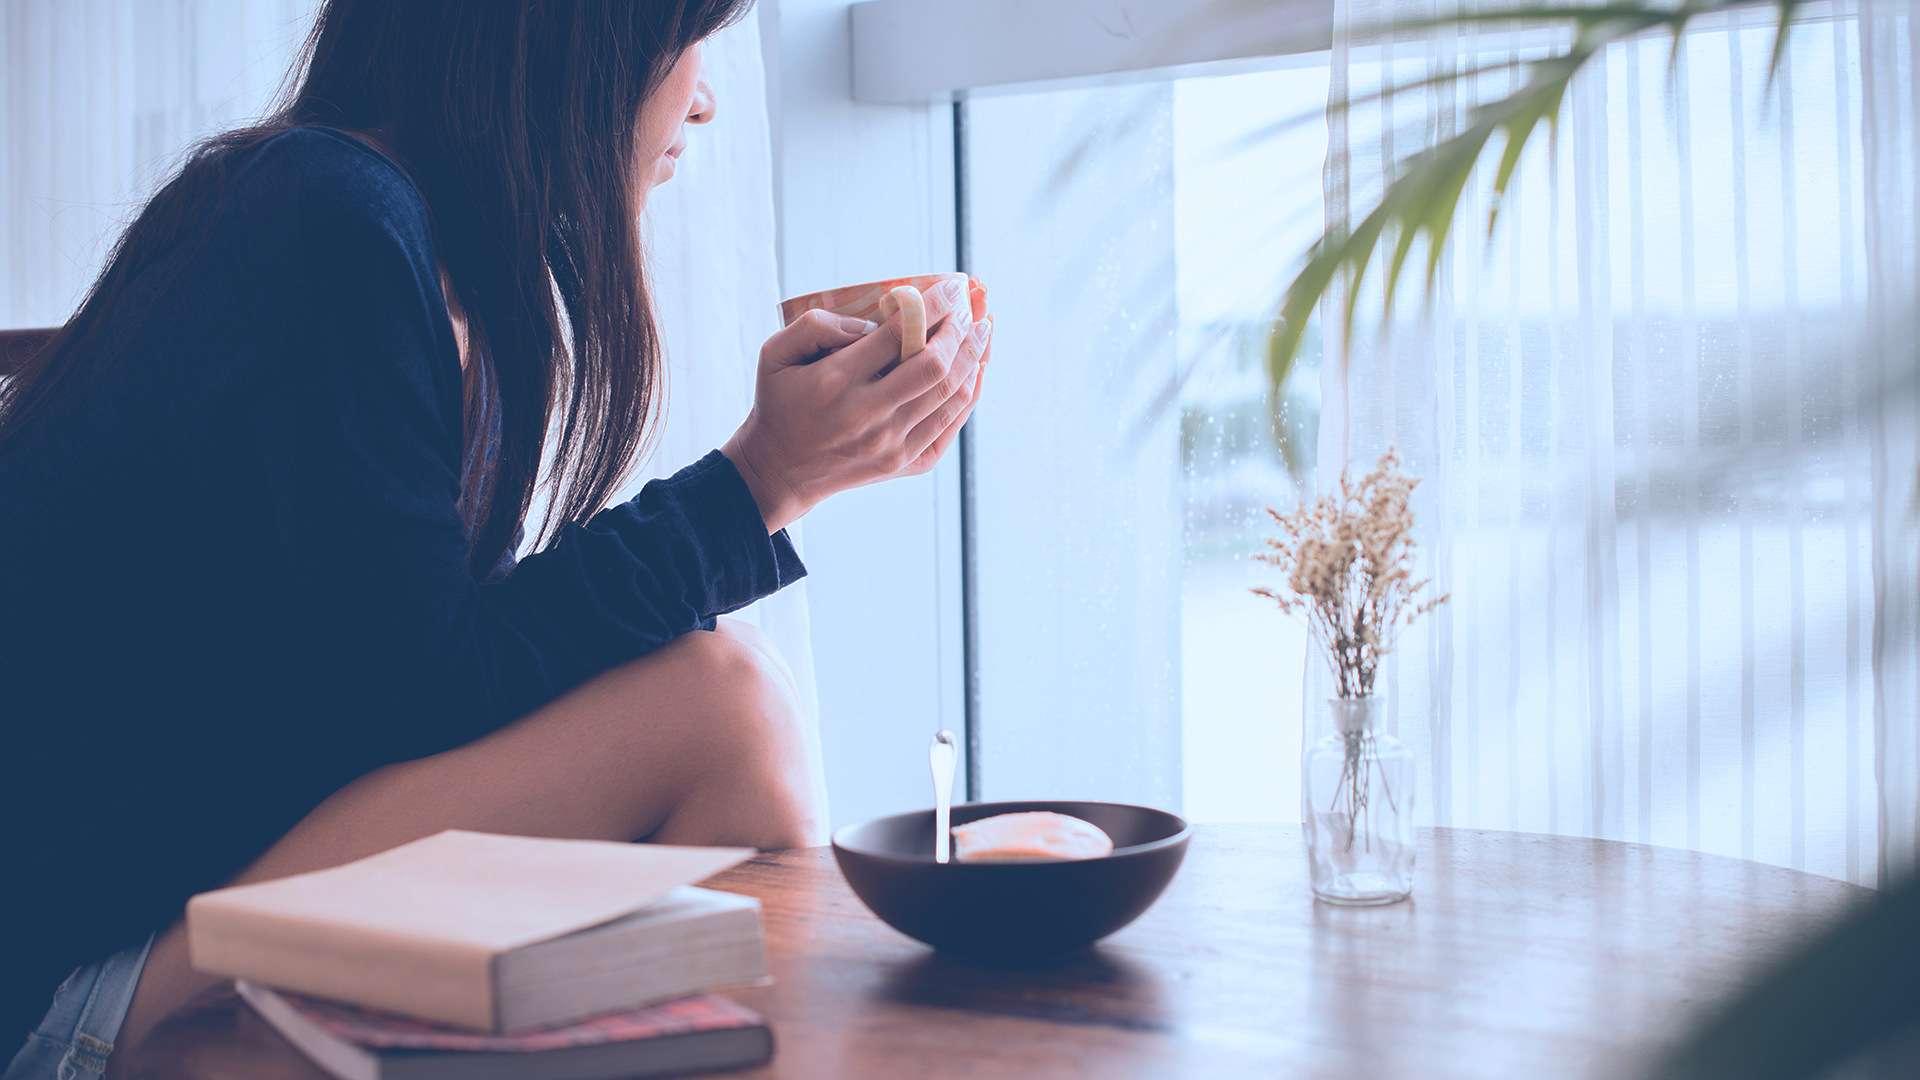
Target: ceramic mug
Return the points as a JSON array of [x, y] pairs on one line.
[[876, 301]]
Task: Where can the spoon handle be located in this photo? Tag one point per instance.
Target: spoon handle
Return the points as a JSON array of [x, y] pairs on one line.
[[941, 757]]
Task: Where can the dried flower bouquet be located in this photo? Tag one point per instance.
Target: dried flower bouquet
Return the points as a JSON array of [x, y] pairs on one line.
[[1348, 558]]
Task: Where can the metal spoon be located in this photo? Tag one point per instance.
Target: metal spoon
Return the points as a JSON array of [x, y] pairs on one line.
[[941, 757]]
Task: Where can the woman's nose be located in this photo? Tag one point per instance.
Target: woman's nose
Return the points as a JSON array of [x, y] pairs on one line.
[[703, 107]]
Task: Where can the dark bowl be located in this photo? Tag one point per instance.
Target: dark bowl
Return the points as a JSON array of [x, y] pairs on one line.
[[1011, 910]]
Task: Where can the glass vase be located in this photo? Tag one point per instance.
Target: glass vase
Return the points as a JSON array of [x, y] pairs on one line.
[[1357, 786]]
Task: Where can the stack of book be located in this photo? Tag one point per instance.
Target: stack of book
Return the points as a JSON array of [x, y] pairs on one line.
[[473, 955]]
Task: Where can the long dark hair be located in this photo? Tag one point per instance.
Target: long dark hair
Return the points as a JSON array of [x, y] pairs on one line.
[[517, 120]]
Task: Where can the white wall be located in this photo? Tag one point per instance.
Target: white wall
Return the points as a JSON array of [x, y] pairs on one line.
[[866, 192]]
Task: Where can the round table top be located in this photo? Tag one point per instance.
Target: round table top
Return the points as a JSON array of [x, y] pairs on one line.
[[1518, 955]]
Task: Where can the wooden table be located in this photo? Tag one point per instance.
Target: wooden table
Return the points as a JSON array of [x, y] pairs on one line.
[[1518, 956]]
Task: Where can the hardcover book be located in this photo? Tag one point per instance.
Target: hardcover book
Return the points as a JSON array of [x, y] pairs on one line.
[[490, 933], [692, 1034]]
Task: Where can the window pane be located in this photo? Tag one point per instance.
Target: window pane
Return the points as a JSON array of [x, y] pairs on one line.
[[1136, 240]]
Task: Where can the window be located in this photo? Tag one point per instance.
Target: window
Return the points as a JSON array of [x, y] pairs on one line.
[[1647, 473]]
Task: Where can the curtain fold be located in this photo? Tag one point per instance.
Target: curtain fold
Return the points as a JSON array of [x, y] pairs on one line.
[[1666, 478], [1889, 46]]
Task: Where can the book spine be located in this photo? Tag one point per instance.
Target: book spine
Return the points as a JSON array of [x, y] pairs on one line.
[[432, 980]]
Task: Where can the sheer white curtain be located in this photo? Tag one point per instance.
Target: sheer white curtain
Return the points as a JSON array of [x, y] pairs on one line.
[[1665, 437], [98, 99]]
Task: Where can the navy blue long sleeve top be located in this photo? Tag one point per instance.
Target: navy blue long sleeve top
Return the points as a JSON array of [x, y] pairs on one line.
[[233, 572]]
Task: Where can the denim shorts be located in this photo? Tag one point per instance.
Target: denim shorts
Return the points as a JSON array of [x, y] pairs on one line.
[[75, 1037]]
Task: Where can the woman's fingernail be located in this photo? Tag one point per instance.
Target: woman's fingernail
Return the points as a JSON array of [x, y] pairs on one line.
[[952, 290], [853, 324]]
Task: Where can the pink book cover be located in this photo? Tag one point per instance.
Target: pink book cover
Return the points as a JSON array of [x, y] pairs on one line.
[[385, 1031]]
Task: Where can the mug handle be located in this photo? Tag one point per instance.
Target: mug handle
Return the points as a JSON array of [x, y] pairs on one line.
[[913, 323]]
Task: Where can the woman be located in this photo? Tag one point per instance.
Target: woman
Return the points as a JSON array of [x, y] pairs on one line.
[[259, 611]]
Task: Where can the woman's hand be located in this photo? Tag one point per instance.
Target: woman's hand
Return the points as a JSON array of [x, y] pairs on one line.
[[858, 414]]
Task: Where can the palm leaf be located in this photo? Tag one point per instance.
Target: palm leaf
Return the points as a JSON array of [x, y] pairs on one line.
[[1424, 200]]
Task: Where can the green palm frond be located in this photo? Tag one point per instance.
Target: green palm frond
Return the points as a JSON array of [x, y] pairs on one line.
[[1424, 200]]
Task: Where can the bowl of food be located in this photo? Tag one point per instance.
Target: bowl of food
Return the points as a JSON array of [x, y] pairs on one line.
[[1020, 887]]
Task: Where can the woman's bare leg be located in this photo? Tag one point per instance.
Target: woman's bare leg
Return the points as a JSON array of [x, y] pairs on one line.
[[698, 743]]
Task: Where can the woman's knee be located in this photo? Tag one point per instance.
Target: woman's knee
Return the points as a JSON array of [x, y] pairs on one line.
[[738, 676], [747, 749], [755, 638]]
